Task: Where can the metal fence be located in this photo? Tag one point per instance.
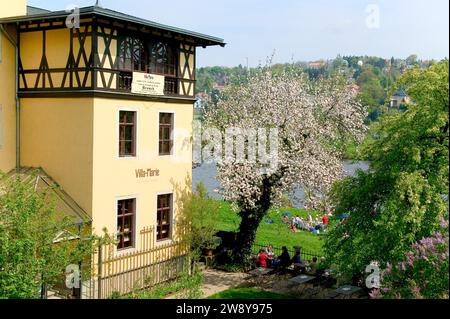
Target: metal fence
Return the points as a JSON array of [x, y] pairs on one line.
[[306, 255]]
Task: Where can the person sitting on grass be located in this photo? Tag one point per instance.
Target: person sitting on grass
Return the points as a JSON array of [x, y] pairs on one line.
[[294, 224], [325, 220], [331, 213], [302, 225], [318, 227], [262, 258], [293, 227]]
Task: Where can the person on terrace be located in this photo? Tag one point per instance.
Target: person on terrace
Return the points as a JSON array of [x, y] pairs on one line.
[[262, 258]]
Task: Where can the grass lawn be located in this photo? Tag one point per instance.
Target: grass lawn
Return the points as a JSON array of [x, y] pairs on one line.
[[277, 234], [247, 293]]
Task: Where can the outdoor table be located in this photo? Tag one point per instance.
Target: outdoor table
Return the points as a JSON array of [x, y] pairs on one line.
[[347, 291], [300, 267], [260, 271], [258, 274], [301, 280]]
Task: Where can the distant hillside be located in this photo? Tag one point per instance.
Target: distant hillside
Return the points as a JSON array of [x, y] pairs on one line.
[[373, 77]]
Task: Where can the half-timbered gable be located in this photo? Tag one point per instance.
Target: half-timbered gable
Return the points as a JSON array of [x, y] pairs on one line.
[[101, 55]]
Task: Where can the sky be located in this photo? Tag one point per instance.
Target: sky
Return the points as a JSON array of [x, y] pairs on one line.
[[296, 30]]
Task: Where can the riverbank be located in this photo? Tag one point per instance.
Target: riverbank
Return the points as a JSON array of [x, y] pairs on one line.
[[206, 173], [272, 230]]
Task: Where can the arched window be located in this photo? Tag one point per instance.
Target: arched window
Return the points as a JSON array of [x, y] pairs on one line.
[[163, 59], [150, 57], [132, 55]]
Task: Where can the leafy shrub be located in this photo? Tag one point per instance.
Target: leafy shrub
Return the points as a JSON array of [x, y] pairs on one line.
[[189, 287], [232, 268], [424, 273]]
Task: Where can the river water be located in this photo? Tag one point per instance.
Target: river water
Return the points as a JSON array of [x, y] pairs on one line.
[[207, 172]]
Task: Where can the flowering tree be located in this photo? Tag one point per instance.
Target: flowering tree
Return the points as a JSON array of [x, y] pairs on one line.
[[308, 120], [423, 273]]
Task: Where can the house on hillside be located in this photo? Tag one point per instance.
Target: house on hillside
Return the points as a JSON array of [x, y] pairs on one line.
[[200, 100], [317, 64], [400, 97], [355, 88]]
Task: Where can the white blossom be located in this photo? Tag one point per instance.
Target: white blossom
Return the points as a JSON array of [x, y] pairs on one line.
[[309, 117]]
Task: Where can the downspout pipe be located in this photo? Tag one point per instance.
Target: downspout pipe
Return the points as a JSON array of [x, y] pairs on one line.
[[16, 70]]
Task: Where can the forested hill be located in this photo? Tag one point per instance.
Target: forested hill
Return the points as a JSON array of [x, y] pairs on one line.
[[373, 77]]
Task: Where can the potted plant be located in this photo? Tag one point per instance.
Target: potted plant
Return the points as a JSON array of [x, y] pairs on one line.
[[209, 245]]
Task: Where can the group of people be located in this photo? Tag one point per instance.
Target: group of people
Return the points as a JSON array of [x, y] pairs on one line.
[[312, 225], [267, 258]]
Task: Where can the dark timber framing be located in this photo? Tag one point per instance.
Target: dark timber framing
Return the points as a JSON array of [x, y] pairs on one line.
[[89, 72]]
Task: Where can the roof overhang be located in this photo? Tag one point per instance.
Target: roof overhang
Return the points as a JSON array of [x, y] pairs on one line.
[[200, 39], [65, 206]]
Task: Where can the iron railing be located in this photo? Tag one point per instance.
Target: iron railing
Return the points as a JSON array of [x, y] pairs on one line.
[[306, 255]]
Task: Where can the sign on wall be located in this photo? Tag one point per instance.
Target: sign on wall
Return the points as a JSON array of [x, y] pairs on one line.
[[148, 84], [145, 173]]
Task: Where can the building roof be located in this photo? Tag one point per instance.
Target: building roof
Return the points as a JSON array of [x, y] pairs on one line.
[[65, 206], [33, 11], [40, 14], [400, 93], [317, 64]]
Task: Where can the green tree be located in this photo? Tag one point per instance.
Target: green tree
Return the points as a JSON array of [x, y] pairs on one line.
[[200, 215], [372, 93], [29, 257], [401, 199], [412, 60]]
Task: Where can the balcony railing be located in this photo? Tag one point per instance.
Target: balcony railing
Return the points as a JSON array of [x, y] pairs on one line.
[[126, 79]]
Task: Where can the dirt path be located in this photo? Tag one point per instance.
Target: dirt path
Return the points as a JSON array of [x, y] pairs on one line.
[[216, 281]]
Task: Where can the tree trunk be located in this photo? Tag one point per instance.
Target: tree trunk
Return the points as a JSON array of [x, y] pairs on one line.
[[246, 237], [250, 220]]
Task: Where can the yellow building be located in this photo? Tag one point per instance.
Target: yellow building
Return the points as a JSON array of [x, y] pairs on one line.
[[104, 105]]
